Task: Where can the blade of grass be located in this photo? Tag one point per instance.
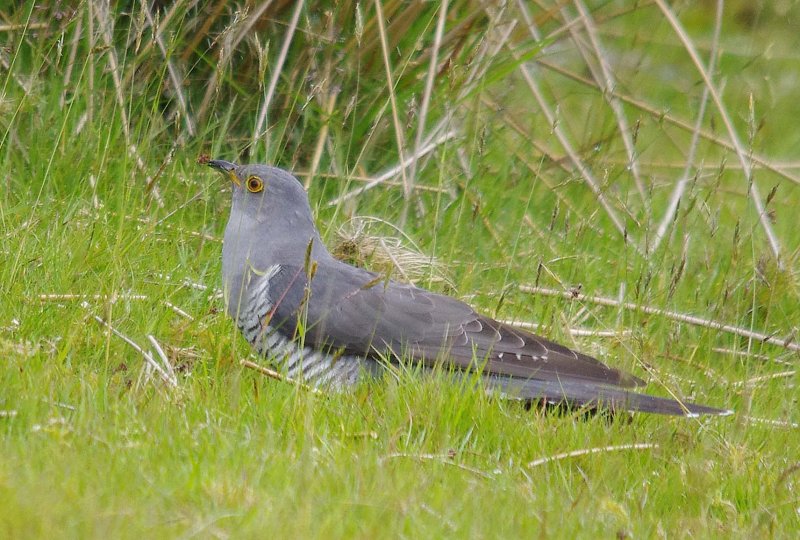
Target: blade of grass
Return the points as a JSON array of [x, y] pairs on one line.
[[744, 160]]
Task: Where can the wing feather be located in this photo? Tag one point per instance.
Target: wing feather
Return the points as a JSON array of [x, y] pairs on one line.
[[347, 308], [345, 312]]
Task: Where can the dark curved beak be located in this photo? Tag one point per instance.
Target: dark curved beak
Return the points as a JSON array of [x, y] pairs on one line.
[[221, 165], [226, 167]]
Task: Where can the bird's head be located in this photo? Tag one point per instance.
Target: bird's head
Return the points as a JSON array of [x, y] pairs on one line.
[[270, 215], [265, 194]]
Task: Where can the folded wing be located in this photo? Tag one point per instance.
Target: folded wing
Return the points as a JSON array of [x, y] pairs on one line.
[[355, 311]]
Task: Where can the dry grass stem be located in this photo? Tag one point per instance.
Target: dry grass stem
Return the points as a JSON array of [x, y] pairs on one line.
[[135, 41], [764, 378], [104, 297], [172, 72], [444, 459], [741, 153], [398, 128], [752, 355], [577, 162], [433, 68], [770, 422], [359, 245], [755, 158], [389, 173], [786, 343], [709, 372], [181, 230], [680, 187], [28, 25], [327, 109], [90, 38], [480, 67], [556, 128], [588, 451], [364, 179], [178, 310], [277, 71], [148, 357], [73, 52], [272, 374], [606, 83], [112, 298], [225, 52], [578, 332], [102, 12], [133, 152], [176, 209], [525, 158], [168, 369]]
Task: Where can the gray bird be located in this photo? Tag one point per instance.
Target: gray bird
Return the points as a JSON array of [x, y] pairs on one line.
[[332, 324]]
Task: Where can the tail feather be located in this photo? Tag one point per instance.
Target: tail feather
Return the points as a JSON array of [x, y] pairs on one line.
[[597, 396]]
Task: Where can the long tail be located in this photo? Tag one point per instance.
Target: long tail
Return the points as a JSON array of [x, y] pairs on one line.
[[594, 395]]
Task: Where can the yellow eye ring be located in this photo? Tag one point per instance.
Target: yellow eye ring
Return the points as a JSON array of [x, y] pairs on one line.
[[254, 184]]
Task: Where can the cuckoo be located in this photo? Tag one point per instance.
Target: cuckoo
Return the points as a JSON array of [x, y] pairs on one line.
[[331, 324]]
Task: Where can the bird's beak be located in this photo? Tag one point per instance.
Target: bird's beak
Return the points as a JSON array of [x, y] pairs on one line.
[[225, 167]]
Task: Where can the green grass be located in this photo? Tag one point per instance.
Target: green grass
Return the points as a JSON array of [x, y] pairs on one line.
[[90, 446]]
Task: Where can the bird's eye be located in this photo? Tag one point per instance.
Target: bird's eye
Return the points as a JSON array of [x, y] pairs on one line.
[[254, 184]]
